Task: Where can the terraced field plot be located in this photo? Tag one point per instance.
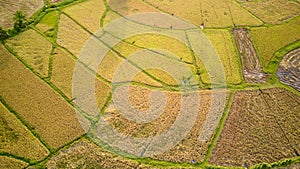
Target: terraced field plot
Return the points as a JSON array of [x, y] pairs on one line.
[[252, 69], [70, 35], [272, 11], [268, 40], [227, 54], [256, 129], [88, 154], [189, 148], [6, 162], [25, 92], [210, 13], [17, 139], [33, 49], [47, 120], [88, 13]]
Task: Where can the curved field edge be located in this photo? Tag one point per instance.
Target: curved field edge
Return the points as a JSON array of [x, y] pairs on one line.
[[279, 54], [148, 160], [277, 57], [267, 39]]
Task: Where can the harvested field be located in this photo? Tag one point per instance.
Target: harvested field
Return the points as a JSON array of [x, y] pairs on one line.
[[190, 148], [272, 11], [8, 9], [86, 154], [11, 163], [71, 36], [227, 54], [268, 40], [262, 126], [218, 13], [48, 24], [56, 122], [128, 7], [16, 139], [289, 69], [252, 69], [34, 49], [87, 13]]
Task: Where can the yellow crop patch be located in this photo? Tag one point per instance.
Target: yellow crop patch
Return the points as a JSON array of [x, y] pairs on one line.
[[272, 11], [270, 39], [11, 163], [37, 103], [87, 13], [17, 139], [71, 36], [218, 13], [34, 49], [227, 54]]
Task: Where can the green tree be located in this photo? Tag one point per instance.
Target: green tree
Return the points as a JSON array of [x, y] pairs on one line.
[[20, 21], [3, 34]]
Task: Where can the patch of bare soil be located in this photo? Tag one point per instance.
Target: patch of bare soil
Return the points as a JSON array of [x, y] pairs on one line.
[[252, 69], [289, 69]]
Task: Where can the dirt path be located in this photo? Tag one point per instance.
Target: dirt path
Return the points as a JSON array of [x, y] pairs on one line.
[[252, 69], [289, 69]]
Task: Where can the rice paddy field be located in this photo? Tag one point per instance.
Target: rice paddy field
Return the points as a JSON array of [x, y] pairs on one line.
[[109, 84]]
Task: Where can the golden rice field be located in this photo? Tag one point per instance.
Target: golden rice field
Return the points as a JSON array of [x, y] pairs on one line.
[[270, 39], [151, 84], [17, 139], [88, 154], [33, 49], [211, 13], [7, 162], [62, 71], [272, 11], [70, 35], [88, 13], [19, 87], [227, 54]]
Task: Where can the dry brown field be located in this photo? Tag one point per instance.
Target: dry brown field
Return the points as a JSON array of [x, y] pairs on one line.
[[262, 126], [252, 69]]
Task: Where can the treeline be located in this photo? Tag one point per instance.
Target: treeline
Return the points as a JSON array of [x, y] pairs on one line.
[[20, 23]]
